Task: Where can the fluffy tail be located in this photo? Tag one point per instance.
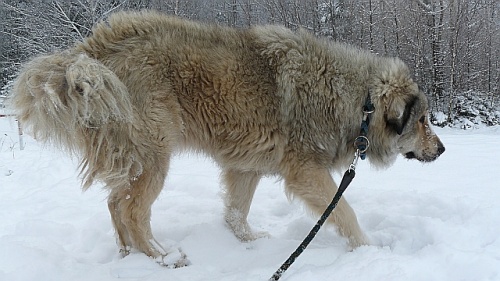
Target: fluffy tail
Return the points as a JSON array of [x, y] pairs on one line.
[[80, 105], [65, 91]]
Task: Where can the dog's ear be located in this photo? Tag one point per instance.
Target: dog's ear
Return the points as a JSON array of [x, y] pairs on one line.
[[396, 93], [398, 113]]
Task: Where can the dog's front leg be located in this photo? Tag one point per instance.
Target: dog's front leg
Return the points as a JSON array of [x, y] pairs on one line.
[[316, 188], [239, 190]]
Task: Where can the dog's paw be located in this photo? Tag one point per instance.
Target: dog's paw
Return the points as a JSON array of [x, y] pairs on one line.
[[249, 235], [258, 235], [174, 258], [355, 242], [244, 232], [124, 251]]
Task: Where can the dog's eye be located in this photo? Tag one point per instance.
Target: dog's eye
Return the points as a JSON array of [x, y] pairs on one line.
[[422, 119]]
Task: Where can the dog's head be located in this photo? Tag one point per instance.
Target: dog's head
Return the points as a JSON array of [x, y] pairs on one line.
[[405, 115]]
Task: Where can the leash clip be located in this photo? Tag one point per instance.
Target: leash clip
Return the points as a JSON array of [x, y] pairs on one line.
[[354, 163]]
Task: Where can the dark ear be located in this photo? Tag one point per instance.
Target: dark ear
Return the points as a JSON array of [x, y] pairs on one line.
[[397, 122], [395, 125]]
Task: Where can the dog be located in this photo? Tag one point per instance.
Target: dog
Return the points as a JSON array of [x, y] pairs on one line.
[[259, 101]]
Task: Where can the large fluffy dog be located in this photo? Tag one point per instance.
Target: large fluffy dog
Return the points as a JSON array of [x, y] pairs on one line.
[[260, 101]]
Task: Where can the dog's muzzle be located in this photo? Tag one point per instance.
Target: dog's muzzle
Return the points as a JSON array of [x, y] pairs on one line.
[[426, 158]]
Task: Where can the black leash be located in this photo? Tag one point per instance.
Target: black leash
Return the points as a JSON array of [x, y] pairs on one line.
[[361, 143], [346, 180]]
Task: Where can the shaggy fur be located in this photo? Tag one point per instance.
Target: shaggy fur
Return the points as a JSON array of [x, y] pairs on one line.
[[261, 101]]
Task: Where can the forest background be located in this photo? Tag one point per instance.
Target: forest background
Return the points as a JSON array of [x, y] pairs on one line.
[[452, 46]]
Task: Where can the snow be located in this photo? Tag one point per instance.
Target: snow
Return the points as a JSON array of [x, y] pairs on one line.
[[438, 221], [440, 117]]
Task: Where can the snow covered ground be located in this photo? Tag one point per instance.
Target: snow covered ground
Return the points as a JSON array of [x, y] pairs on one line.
[[439, 221]]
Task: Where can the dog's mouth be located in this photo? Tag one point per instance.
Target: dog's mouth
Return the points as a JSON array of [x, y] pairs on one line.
[[412, 155]]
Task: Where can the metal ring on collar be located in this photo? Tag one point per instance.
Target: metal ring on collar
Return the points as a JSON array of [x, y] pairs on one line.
[[362, 143]]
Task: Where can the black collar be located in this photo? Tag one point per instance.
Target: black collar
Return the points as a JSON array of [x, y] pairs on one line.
[[362, 143]]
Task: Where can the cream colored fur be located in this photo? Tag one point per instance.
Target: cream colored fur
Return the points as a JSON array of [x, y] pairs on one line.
[[261, 101]]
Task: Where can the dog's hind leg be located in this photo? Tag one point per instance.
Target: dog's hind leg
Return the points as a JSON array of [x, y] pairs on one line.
[[130, 209], [239, 190], [122, 235], [315, 187]]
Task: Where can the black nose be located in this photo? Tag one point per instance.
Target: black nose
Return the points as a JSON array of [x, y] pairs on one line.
[[441, 149]]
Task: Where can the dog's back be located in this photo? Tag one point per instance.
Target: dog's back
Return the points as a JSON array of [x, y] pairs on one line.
[[214, 77]]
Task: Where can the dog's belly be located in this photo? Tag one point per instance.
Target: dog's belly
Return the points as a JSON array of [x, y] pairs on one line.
[[239, 145]]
